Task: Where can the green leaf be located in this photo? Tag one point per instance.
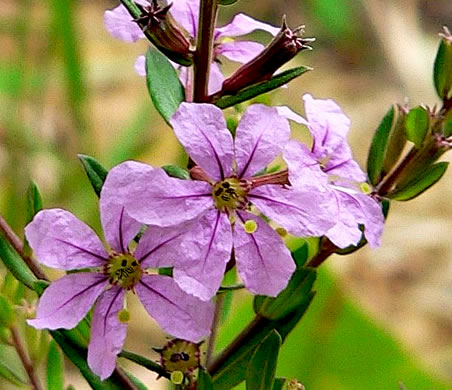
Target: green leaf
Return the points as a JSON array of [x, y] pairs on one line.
[[261, 370], [204, 381], [7, 313], [137, 382], [8, 374], [297, 294], [34, 201], [420, 183], [55, 368], [447, 124], [260, 88], [177, 172], [163, 84], [301, 255], [417, 124], [227, 2], [376, 166], [230, 371], [95, 171], [442, 69], [279, 383], [15, 264]]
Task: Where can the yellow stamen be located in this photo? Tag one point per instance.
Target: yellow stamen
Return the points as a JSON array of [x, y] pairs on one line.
[[250, 226], [281, 231], [229, 194], [177, 377], [124, 316], [366, 188], [123, 270]]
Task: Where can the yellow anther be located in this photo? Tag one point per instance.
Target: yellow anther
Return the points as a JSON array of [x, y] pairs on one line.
[[177, 377], [366, 188], [124, 316], [250, 226], [281, 231]]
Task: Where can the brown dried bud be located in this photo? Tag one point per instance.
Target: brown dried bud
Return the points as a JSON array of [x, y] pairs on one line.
[[284, 46], [164, 32]]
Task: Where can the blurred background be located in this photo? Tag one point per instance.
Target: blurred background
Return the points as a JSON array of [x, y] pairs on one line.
[[380, 317]]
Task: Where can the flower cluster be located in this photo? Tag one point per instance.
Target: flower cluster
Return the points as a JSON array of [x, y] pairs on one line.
[[233, 212]]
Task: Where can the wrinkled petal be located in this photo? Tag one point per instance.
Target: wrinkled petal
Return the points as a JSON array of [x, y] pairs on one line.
[[107, 333], [263, 260], [202, 130], [207, 250], [243, 24], [216, 78], [178, 313], [119, 227], [186, 13], [328, 124], [160, 247], [240, 51], [304, 213], [140, 66], [66, 301], [341, 164], [60, 240], [260, 137], [157, 199], [288, 113], [119, 24]]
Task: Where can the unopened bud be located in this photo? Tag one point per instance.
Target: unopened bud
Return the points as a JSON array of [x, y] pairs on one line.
[[164, 32], [284, 46]]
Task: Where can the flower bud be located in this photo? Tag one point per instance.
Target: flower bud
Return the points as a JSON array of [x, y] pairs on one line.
[[284, 46], [442, 71], [165, 33]]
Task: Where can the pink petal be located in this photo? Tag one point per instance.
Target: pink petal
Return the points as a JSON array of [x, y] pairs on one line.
[[160, 247], [207, 250], [119, 24], [216, 78], [201, 129], [119, 227], [66, 301], [140, 66], [303, 212], [263, 260], [61, 240], [179, 314], [107, 333], [288, 113], [157, 199], [260, 137], [243, 24], [239, 51], [341, 164], [186, 13]]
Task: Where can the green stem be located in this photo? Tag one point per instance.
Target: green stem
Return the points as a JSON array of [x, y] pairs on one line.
[[142, 361], [214, 329], [204, 49]]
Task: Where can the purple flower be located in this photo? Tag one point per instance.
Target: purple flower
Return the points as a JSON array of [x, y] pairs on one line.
[[330, 159], [119, 24], [61, 240], [221, 208]]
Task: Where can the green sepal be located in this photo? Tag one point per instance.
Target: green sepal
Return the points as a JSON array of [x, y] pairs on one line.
[[15, 264], [422, 182], [55, 368], [279, 383], [34, 201], [231, 371], [164, 85], [204, 381], [177, 172], [417, 124], [260, 88], [7, 313], [387, 144], [95, 171], [297, 294], [260, 374], [442, 69], [301, 255]]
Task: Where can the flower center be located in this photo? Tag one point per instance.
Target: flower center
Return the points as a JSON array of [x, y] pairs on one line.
[[123, 270], [229, 194]]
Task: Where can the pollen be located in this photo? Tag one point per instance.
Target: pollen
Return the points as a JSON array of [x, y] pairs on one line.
[[365, 187], [229, 194], [250, 226], [124, 316], [177, 377], [123, 270]]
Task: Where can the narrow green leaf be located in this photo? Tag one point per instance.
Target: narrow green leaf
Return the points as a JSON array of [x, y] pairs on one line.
[[140, 385], [279, 383], [204, 381], [95, 171], [231, 371], [7, 313], [442, 69], [142, 361], [300, 255], [177, 172], [163, 84], [34, 201], [420, 183], [8, 374], [262, 367], [417, 124], [262, 87], [296, 294], [15, 264], [55, 368], [377, 151]]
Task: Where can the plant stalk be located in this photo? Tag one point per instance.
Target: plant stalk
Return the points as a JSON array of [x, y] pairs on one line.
[[214, 329]]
